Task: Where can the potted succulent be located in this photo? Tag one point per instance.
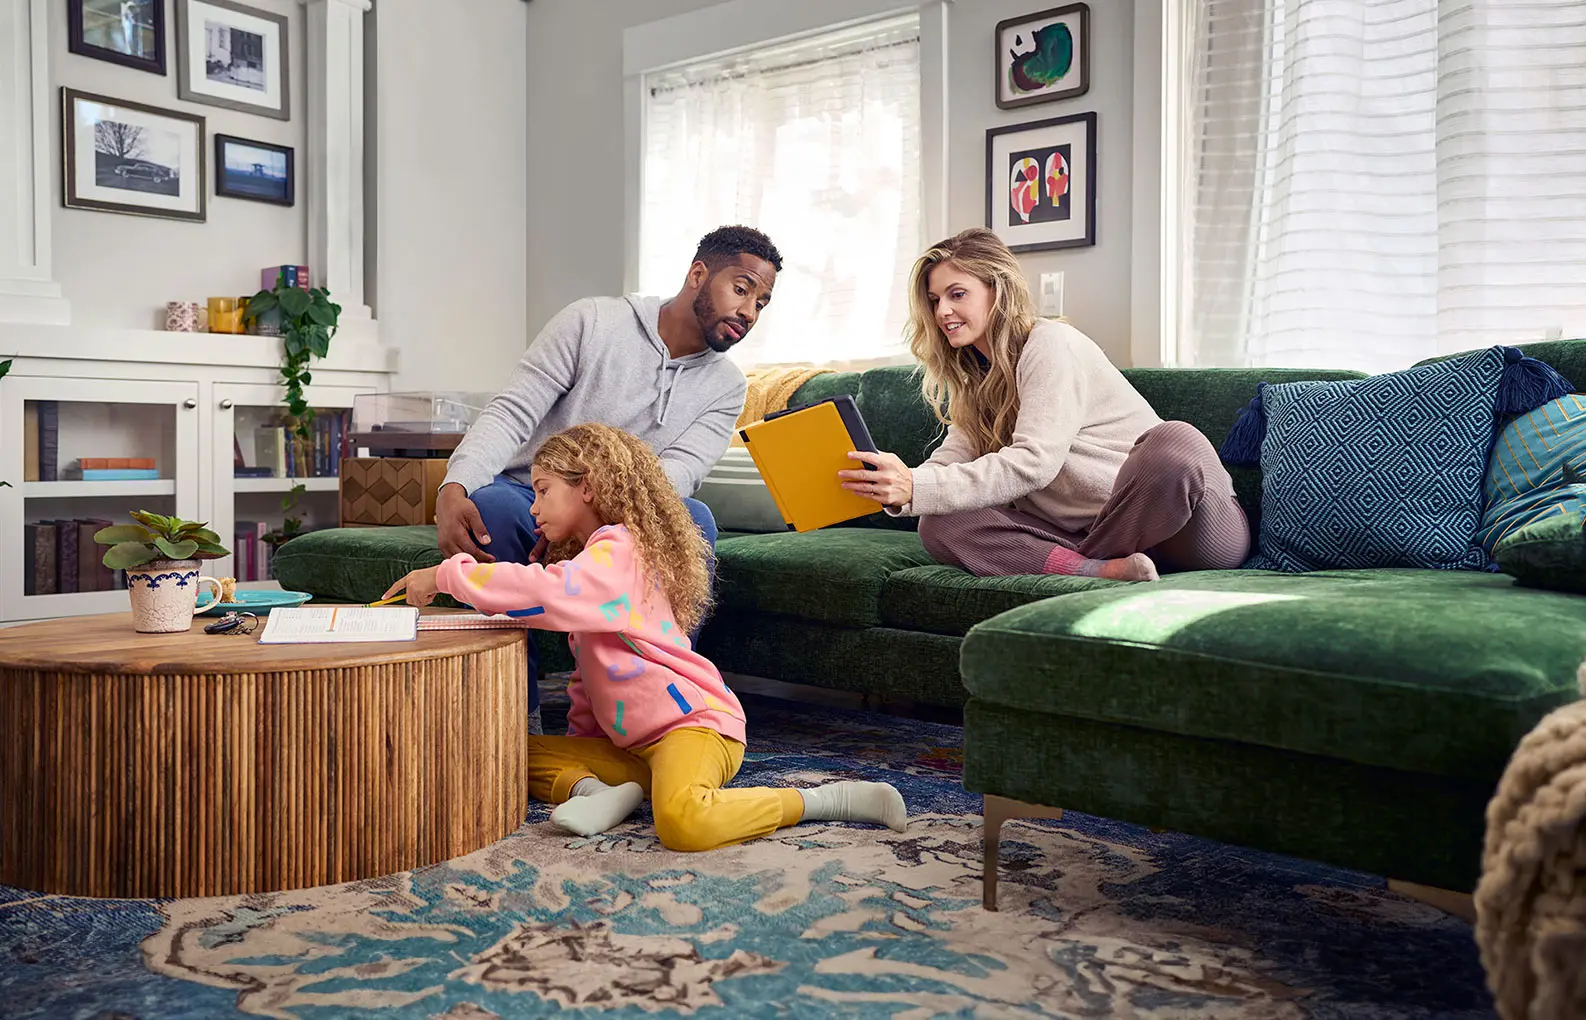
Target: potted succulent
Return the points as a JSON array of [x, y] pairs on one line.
[[161, 555]]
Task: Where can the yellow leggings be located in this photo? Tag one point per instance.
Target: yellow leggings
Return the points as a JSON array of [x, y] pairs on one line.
[[682, 774]]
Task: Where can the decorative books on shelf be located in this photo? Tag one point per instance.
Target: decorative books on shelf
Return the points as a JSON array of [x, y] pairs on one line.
[[61, 557], [279, 452]]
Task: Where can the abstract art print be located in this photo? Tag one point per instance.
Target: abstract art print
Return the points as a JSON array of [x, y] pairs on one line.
[[1041, 183], [259, 171], [126, 32], [233, 56], [1042, 57], [119, 156]]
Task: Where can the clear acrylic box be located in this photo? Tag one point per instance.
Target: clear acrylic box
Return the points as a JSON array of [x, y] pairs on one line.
[[415, 424]]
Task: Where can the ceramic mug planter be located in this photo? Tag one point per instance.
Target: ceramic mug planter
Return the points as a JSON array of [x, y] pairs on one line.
[[165, 595]]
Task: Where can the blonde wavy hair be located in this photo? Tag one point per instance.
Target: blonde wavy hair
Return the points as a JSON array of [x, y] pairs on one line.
[[981, 399], [630, 489]]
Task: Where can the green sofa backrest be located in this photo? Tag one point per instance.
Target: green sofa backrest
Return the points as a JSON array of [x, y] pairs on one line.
[[1208, 398]]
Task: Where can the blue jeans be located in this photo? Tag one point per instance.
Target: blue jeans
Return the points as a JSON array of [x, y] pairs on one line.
[[505, 506]]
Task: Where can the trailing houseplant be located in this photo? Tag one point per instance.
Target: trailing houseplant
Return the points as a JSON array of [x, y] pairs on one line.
[[161, 555], [308, 321]]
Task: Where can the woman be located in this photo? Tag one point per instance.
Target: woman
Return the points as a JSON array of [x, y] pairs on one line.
[[1053, 463]]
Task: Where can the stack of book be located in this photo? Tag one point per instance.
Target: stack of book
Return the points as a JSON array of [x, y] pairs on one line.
[[117, 469], [61, 556], [279, 452]]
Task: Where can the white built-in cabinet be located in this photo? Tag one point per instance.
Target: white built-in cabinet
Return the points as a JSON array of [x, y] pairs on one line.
[[177, 398]]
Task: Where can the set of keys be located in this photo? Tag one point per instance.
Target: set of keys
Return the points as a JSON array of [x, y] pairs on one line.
[[233, 623]]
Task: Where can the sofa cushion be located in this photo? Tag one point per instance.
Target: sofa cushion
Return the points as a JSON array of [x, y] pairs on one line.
[[1433, 671], [1550, 553], [834, 575], [947, 600], [1529, 473], [354, 564]]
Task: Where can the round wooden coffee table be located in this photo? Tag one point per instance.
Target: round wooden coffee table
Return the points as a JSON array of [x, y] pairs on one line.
[[153, 765]]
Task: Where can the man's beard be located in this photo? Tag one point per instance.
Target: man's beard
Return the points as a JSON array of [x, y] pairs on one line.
[[708, 318]]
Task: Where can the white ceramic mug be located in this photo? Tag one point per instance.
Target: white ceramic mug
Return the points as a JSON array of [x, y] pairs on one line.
[[164, 595]]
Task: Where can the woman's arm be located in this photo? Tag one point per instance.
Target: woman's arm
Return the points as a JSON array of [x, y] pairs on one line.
[[1052, 385]]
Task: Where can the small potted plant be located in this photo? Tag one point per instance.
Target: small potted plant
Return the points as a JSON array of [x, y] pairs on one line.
[[161, 555]]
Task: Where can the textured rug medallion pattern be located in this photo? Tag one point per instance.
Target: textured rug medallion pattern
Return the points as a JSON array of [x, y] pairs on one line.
[[1098, 919]]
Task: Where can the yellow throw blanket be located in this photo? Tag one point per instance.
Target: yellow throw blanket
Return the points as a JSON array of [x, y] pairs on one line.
[[769, 390]]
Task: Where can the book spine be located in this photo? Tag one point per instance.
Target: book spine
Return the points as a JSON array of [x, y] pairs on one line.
[[87, 561], [44, 556], [30, 442], [30, 542], [66, 556], [49, 439]]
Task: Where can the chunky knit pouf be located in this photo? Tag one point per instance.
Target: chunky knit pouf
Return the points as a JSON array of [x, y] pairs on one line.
[[1531, 901]]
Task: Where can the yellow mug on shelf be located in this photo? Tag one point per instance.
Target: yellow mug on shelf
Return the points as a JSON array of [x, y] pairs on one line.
[[225, 314]]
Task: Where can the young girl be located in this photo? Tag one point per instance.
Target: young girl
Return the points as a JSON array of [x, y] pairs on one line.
[[649, 714]]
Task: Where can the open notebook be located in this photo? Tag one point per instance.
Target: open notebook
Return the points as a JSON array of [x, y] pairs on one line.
[[329, 624]]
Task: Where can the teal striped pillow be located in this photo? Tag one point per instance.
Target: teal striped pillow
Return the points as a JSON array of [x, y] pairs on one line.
[[1536, 469]]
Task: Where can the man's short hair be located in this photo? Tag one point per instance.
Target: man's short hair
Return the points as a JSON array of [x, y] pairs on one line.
[[722, 244]]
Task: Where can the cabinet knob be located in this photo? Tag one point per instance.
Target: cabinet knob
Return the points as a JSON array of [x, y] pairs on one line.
[[190, 403], [225, 405]]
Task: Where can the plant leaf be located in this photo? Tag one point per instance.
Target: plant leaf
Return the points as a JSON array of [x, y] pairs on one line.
[[157, 523], [128, 554], [203, 536], [307, 378], [295, 302], [319, 343], [5, 366], [294, 343], [118, 533], [260, 303], [211, 551], [322, 314], [182, 550]]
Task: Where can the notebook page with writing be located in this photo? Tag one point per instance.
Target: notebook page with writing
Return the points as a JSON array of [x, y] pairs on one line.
[[332, 624]]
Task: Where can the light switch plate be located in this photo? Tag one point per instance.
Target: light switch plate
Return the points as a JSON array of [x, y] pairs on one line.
[[1051, 294]]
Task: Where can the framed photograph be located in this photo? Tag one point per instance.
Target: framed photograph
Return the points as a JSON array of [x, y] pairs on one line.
[[119, 156], [1041, 183], [126, 32], [1043, 57], [259, 171], [232, 56]]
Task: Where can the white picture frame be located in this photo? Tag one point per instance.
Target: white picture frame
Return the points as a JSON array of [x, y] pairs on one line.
[[125, 157], [233, 56]]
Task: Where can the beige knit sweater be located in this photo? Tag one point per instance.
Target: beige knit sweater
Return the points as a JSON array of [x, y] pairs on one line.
[[1078, 419]]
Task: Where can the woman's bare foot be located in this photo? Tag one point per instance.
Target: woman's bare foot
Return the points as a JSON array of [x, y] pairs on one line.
[[1137, 567]]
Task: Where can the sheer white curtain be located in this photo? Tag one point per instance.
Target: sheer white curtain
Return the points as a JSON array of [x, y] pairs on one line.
[[1372, 182], [817, 143]]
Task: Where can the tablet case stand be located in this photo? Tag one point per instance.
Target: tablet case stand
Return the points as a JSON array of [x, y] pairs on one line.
[[799, 452]]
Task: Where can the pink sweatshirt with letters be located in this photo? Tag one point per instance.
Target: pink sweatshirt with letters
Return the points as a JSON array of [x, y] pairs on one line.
[[637, 678]]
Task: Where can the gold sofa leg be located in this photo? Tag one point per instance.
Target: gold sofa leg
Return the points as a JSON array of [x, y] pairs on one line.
[[996, 810]]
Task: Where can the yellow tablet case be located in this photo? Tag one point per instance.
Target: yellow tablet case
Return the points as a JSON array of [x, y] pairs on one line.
[[799, 453]]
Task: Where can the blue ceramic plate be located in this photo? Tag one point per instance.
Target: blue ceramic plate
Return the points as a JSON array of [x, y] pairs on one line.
[[252, 602]]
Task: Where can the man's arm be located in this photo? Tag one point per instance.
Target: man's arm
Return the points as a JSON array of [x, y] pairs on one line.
[[545, 372], [691, 456]]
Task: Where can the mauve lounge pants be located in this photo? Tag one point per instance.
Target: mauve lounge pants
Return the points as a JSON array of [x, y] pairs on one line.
[[1173, 501]]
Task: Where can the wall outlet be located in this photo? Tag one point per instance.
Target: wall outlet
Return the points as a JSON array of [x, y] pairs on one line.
[[1051, 294]]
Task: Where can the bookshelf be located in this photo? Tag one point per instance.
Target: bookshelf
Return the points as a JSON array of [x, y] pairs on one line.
[[189, 404]]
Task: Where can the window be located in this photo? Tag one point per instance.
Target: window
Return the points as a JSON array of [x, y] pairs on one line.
[[1368, 183], [817, 143]]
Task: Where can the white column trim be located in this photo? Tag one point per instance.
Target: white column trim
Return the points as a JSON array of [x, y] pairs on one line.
[[1153, 298], [28, 291], [336, 150]]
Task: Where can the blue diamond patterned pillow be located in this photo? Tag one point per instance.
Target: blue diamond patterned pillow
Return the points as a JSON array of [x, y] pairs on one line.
[[1385, 471]]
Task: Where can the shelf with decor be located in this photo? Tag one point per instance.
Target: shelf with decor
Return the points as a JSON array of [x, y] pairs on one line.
[[179, 422]]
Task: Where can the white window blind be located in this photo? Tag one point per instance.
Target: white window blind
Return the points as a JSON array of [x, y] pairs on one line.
[[1368, 183], [817, 143]]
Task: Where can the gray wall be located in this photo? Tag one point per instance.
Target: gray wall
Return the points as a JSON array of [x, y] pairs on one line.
[[575, 171], [450, 190]]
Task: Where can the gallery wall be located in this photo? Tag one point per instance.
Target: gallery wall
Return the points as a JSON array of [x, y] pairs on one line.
[[118, 270], [575, 113]]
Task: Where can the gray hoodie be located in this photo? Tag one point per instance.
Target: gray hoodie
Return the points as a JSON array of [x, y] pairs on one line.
[[603, 360]]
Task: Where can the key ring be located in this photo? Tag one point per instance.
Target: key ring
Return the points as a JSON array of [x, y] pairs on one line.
[[233, 623]]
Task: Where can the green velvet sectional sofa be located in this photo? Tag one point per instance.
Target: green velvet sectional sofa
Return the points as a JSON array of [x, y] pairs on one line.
[[1358, 717]]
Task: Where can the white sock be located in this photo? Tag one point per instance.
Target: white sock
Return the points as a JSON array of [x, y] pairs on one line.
[[595, 807], [856, 802]]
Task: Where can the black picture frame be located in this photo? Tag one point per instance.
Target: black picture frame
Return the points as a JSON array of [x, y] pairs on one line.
[[72, 196], [228, 185], [1079, 13], [997, 183], [77, 42]]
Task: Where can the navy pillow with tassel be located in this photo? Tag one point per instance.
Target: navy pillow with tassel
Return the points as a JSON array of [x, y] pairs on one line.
[[1385, 471]]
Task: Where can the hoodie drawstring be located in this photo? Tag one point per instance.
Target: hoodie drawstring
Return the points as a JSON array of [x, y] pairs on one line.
[[665, 385]]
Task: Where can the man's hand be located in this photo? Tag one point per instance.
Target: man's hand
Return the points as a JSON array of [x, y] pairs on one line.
[[457, 523], [420, 586], [537, 554]]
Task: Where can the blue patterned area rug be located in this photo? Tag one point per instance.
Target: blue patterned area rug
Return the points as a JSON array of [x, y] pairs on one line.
[[1098, 919]]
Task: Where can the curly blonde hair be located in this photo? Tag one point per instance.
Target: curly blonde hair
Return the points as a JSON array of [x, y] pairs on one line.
[[630, 489], [981, 399]]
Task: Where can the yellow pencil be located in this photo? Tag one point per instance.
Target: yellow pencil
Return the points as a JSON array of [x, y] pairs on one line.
[[387, 602]]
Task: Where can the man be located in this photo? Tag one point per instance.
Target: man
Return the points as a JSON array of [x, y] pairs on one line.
[[656, 369]]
